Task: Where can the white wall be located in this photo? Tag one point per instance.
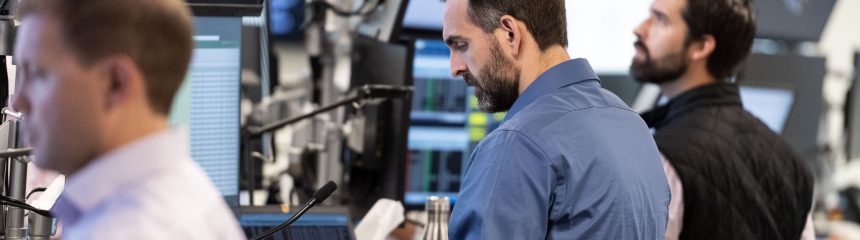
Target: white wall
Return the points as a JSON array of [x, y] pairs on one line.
[[602, 32]]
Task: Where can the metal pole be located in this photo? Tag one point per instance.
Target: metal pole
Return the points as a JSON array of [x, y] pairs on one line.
[[17, 182], [41, 227]]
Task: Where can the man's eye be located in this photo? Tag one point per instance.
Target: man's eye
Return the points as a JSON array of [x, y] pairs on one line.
[[661, 19], [35, 73], [460, 45]]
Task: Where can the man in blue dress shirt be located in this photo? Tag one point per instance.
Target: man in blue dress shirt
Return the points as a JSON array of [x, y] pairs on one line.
[[570, 160]]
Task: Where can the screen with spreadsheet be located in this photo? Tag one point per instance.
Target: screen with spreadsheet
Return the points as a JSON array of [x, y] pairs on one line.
[[445, 125], [207, 104]]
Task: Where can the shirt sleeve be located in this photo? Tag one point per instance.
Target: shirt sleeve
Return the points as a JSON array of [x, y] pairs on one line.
[[808, 229], [506, 192], [676, 205]]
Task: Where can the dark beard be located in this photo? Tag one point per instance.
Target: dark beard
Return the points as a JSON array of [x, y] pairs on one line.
[[658, 71], [499, 87]]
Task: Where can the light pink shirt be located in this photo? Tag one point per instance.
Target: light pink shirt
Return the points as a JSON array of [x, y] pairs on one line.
[[148, 189]]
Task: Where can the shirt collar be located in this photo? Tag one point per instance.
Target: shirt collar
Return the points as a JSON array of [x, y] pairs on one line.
[[717, 94], [121, 167], [559, 76]]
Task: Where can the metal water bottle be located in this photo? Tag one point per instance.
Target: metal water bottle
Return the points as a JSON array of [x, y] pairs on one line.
[[438, 212]]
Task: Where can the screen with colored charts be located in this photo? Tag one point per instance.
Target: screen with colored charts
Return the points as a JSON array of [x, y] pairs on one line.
[[445, 126]]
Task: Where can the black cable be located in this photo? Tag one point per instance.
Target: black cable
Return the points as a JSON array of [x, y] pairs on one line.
[[4, 200], [28, 207], [35, 190], [12, 200], [257, 131], [3, 4]]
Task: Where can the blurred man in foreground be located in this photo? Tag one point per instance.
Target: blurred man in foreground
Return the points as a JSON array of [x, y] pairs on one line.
[[97, 82]]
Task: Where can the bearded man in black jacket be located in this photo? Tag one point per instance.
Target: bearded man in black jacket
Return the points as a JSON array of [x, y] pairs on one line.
[[731, 176]]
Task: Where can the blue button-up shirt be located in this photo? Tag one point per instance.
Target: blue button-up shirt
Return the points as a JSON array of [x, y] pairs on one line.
[[570, 161]]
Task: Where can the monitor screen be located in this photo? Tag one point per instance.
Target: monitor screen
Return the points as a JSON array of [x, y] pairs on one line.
[[771, 105], [424, 14], [207, 103], [798, 20], [286, 18], [322, 222], [445, 126]]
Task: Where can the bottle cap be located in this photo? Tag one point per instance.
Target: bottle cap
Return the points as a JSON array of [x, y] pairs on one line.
[[437, 203]]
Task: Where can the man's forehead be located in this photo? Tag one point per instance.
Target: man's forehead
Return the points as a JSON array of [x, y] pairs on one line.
[[457, 4], [455, 17], [668, 7], [32, 27], [38, 37]]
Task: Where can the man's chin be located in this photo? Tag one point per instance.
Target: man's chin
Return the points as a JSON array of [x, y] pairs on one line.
[[41, 160], [638, 59], [39, 163]]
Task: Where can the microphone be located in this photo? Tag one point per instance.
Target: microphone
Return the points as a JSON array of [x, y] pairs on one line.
[[323, 192], [319, 196]]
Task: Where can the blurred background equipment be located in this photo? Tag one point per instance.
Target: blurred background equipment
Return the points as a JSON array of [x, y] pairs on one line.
[[322, 52], [8, 28], [13, 197]]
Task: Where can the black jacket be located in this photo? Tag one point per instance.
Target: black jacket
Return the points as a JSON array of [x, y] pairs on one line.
[[740, 180]]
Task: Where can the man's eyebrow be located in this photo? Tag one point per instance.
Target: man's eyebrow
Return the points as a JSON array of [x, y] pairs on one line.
[[451, 39]]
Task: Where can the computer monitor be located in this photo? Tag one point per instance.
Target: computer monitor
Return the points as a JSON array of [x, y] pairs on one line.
[[207, 103], [446, 125], [853, 112], [424, 15], [285, 19], [770, 104], [321, 222], [376, 148], [792, 20], [804, 76]]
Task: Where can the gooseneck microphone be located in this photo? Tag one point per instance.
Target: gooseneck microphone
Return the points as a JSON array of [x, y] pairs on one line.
[[319, 196]]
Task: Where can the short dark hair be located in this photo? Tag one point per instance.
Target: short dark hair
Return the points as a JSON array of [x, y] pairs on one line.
[[545, 19], [733, 26], [155, 34]]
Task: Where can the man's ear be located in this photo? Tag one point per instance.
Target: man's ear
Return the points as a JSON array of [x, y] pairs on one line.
[[511, 34], [703, 48], [123, 77]]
